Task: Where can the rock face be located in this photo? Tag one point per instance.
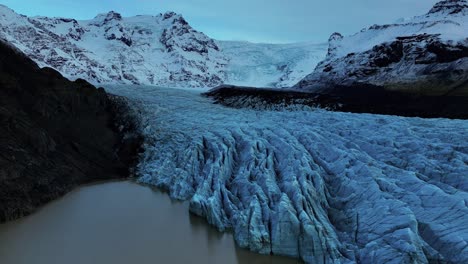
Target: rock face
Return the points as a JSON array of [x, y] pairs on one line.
[[450, 7], [55, 134], [426, 55], [327, 187], [162, 50]]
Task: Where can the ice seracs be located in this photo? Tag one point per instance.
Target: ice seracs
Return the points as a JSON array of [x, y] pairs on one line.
[[270, 65], [326, 187]]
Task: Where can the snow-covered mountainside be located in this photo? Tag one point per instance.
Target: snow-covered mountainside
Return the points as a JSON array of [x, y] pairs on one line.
[[327, 187], [161, 50], [425, 55], [158, 50], [270, 65]]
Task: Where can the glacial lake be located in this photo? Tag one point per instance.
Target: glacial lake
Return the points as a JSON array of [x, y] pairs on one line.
[[119, 222]]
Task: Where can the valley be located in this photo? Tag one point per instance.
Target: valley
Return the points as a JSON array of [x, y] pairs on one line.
[[351, 151]]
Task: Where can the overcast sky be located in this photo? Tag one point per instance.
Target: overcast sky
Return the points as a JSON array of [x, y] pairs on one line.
[[274, 21]]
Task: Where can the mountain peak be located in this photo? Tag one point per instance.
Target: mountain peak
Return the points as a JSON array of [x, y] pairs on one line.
[[176, 18], [109, 16], [333, 43], [4, 7], [335, 37], [169, 14], [450, 7], [4, 10]]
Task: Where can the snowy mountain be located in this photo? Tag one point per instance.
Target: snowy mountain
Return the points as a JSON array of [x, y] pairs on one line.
[[270, 65], [162, 50], [158, 50], [424, 55]]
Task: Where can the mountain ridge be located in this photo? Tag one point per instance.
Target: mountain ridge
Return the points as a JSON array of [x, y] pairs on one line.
[[416, 67], [425, 55], [162, 50]]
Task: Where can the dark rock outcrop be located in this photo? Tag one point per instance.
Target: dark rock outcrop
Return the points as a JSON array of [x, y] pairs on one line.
[[450, 7], [360, 99], [56, 134]]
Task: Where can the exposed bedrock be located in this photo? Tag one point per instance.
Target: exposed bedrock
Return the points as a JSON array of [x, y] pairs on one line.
[[360, 99], [56, 134]]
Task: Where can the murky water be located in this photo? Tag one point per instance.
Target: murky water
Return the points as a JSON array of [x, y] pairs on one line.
[[119, 222]]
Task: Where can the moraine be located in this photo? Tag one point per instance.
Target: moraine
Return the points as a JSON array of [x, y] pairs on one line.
[[318, 185]]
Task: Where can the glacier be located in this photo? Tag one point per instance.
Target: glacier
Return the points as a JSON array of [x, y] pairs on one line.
[[270, 65], [326, 187]]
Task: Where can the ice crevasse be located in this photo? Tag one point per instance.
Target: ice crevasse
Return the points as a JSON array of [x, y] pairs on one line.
[[323, 186]]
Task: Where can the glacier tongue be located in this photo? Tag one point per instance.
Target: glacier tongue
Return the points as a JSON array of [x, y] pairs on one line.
[[323, 186]]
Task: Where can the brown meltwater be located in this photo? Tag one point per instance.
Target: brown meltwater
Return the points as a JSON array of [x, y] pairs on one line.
[[119, 222]]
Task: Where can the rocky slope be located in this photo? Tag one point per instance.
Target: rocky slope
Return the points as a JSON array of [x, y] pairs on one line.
[[425, 55], [55, 134], [359, 99], [162, 50]]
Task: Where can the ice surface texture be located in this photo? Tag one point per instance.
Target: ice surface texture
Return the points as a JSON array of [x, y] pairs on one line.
[[323, 186], [270, 65]]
